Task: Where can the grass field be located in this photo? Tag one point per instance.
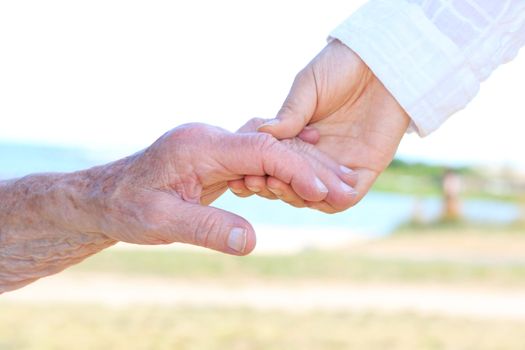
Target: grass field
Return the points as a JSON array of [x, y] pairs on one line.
[[316, 265], [55, 327], [438, 255], [446, 256]]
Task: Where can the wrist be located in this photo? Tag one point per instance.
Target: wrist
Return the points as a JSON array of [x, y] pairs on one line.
[[94, 195], [423, 69], [76, 208]]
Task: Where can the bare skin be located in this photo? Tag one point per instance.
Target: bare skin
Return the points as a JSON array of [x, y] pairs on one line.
[[358, 122], [157, 196]]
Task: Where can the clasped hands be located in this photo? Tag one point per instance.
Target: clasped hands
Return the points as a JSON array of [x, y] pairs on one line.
[[338, 129]]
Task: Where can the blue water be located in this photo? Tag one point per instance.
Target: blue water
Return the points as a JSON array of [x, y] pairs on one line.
[[21, 159], [377, 214]]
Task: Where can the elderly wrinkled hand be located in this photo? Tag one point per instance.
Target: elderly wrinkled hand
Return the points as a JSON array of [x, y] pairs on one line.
[[358, 122], [157, 195]]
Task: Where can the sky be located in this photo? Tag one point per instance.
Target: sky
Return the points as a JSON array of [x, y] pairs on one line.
[[112, 75]]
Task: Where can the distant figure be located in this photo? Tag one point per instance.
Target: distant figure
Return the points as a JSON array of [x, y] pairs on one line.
[[451, 190], [521, 217]]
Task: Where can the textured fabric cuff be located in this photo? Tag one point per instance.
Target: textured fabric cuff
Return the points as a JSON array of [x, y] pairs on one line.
[[420, 66]]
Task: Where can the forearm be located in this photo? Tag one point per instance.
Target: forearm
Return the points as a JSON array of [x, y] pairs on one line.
[[46, 225]]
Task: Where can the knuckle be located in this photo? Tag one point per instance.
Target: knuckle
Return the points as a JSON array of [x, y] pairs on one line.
[[187, 132], [271, 152], [300, 146], [190, 130], [208, 230], [265, 141]]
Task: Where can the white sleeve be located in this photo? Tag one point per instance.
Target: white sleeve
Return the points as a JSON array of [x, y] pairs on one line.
[[433, 54]]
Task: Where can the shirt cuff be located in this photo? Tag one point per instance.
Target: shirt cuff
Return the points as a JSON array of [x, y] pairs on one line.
[[420, 66]]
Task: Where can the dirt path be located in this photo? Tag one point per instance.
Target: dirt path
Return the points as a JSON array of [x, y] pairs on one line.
[[120, 292]]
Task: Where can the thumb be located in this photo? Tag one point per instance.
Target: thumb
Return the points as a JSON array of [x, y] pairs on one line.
[[297, 110], [215, 229]]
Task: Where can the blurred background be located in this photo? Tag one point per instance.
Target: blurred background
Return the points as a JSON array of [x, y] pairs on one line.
[[432, 258]]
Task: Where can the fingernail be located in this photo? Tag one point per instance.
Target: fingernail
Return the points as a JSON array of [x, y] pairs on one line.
[[270, 122], [349, 190], [275, 191], [235, 190], [237, 239], [320, 186], [254, 189], [346, 170], [349, 173]]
